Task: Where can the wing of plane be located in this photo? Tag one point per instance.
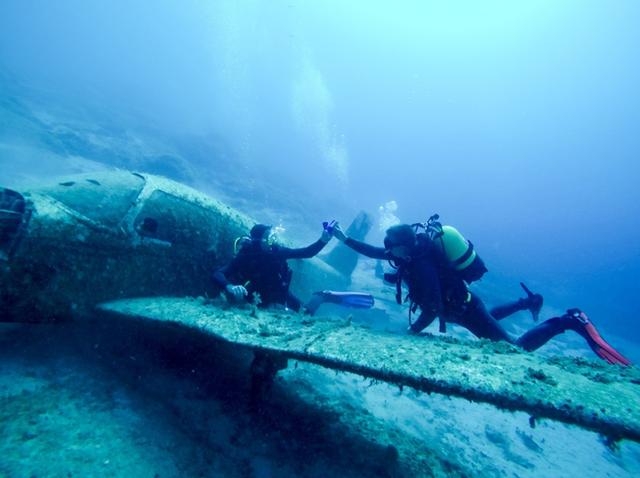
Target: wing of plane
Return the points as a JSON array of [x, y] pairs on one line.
[[595, 396]]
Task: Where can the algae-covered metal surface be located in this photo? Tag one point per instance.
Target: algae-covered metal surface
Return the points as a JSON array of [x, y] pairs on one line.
[[90, 238], [596, 396]]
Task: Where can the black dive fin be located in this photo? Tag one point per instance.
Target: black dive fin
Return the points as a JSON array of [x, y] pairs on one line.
[[534, 302]]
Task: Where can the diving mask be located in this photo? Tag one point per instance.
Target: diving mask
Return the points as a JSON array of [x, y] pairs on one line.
[[271, 237]]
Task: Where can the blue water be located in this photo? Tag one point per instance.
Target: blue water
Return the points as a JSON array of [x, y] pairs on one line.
[[515, 121]]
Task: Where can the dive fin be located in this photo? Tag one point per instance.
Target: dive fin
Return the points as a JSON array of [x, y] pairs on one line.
[[534, 302], [595, 340], [358, 300]]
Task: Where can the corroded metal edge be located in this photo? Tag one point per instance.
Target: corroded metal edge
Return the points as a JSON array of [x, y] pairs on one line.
[[592, 395]]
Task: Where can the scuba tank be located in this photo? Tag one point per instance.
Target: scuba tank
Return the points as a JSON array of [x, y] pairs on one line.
[[459, 252]]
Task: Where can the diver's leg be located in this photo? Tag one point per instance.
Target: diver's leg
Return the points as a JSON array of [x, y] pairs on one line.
[[532, 303], [422, 322], [479, 322], [505, 310], [541, 334], [577, 321]]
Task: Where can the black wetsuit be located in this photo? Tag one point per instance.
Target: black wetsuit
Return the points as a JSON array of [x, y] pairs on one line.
[[438, 291], [421, 274], [265, 272]]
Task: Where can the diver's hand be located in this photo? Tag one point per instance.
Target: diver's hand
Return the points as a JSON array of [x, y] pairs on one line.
[[327, 231], [338, 233], [237, 291]]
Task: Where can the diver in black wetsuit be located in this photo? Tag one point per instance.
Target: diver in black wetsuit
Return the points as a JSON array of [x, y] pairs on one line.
[[260, 267], [438, 287]]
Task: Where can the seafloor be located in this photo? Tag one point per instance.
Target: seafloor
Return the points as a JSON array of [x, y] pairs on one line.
[[123, 399]]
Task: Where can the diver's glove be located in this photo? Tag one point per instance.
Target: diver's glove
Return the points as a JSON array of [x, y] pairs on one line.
[[327, 230], [237, 291], [337, 232]]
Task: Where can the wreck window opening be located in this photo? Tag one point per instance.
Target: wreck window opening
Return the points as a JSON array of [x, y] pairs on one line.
[[148, 227], [105, 197], [172, 219]]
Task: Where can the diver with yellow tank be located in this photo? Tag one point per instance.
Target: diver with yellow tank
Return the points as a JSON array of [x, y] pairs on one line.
[[438, 263]]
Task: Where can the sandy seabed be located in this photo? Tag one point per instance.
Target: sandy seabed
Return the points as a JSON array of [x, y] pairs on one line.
[[128, 400]]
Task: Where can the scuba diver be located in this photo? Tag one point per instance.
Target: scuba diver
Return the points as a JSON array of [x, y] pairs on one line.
[[438, 264], [260, 268]]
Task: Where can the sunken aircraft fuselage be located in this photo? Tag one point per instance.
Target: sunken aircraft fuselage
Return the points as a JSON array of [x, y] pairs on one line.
[[67, 246]]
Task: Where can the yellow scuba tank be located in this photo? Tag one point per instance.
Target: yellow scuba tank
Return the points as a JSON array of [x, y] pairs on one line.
[[459, 251]]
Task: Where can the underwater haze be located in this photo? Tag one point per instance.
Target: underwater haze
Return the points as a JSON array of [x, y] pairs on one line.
[[517, 122]]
